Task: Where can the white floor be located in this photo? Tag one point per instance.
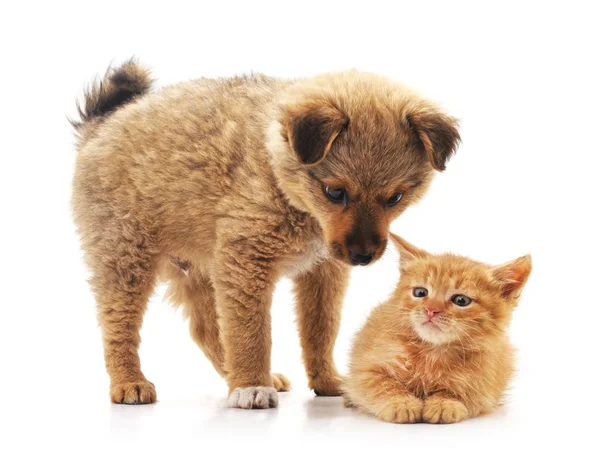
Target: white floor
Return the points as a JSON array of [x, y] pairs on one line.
[[83, 427]]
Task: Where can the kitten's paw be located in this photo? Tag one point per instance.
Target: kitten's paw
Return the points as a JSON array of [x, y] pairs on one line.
[[141, 392], [402, 409], [443, 410], [253, 398], [327, 385], [348, 403], [280, 382]]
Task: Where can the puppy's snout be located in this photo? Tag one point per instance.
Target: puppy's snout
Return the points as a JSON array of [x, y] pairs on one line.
[[362, 249], [363, 243], [361, 258], [363, 252]]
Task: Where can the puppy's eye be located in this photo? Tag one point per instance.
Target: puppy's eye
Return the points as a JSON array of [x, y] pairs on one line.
[[337, 196], [393, 200], [461, 300], [420, 292]]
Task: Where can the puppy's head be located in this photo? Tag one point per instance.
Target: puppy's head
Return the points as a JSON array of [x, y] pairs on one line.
[[355, 150]]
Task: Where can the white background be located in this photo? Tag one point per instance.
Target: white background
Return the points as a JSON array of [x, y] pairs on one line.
[[522, 78]]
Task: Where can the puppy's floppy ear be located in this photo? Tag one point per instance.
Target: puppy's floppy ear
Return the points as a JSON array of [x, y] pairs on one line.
[[438, 133], [408, 252], [312, 130], [513, 275]]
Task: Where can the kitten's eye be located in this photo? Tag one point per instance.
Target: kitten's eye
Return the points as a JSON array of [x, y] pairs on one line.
[[393, 200], [337, 196], [461, 300], [420, 292]]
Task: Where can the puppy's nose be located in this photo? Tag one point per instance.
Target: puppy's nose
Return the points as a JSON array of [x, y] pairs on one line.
[[361, 258]]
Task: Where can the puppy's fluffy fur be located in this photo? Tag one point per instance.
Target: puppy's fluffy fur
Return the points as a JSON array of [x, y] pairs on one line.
[[217, 187], [423, 357]]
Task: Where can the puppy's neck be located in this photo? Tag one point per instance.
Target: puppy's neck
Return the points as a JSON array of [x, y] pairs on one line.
[[292, 178]]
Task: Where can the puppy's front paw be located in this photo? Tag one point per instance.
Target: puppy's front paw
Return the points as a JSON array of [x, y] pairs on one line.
[[401, 409], [444, 410], [141, 392], [253, 398], [327, 385]]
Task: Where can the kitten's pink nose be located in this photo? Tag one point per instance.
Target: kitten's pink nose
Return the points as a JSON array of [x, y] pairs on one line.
[[431, 312]]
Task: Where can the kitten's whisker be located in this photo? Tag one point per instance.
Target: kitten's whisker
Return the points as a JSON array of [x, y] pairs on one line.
[[470, 321], [463, 332], [463, 348]]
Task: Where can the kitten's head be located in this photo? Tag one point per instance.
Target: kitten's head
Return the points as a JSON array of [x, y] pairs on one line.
[[448, 298]]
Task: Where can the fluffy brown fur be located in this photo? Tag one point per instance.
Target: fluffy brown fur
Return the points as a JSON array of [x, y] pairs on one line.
[[442, 367], [217, 187]]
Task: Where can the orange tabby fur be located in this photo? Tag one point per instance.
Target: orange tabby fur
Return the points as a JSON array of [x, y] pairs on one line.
[[453, 368]]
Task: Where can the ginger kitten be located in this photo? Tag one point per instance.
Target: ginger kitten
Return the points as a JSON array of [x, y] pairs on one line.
[[438, 351]]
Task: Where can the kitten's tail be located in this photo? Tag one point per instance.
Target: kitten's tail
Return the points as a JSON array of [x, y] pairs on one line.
[[118, 87]]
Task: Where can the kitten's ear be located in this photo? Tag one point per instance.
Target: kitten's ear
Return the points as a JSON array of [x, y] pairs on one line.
[[438, 133], [512, 276], [408, 252], [312, 130]]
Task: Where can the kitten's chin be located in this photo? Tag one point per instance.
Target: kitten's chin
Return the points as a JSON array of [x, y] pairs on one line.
[[431, 333]]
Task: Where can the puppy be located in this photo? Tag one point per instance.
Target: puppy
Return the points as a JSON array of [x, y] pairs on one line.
[[222, 186]]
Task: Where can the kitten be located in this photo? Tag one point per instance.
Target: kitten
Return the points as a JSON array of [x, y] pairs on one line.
[[437, 351]]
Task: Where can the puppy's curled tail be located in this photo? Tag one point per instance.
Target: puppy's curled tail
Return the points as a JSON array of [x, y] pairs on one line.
[[118, 87]]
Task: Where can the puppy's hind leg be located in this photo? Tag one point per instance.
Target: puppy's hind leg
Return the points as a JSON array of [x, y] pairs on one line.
[[196, 293], [123, 280]]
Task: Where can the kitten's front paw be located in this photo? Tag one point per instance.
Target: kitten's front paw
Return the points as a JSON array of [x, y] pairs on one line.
[[253, 398], [402, 409], [347, 402], [444, 410], [327, 385]]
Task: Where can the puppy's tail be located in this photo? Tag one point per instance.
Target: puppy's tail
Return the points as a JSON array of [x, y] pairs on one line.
[[118, 87]]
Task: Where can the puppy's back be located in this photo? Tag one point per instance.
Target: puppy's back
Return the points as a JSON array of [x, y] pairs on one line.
[[172, 155]]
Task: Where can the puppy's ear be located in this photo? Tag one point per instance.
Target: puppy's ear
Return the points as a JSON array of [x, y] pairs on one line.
[[408, 252], [512, 276], [312, 130], [438, 133]]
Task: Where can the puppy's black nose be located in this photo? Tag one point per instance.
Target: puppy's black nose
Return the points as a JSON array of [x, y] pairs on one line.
[[361, 258]]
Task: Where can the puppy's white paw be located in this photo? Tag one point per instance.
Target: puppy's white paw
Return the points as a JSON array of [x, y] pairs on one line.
[[253, 398]]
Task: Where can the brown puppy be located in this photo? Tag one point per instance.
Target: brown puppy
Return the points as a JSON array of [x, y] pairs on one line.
[[220, 187]]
